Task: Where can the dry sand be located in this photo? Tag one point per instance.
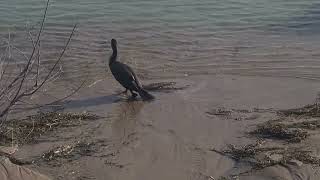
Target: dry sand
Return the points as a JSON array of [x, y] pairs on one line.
[[170, 138]]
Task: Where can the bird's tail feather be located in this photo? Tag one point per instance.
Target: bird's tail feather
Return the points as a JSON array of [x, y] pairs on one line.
[[145, 95]]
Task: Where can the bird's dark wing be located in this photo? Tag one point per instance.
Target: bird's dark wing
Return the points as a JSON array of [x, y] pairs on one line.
[[125, 75], [135, 78]]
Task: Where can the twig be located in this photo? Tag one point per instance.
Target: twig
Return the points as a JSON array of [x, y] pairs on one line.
[[30, 130], [69, 95], [9, 48], [54, 66], [56, 101], [22, 76], [33, 90], [38, 64], [94, 83], [38, 55], [23, 73], [2, 69]]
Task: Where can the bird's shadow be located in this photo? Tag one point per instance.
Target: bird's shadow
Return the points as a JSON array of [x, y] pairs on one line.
[[118, 96], [96, 101]]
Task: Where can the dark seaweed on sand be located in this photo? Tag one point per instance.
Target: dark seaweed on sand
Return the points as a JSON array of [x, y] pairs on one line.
[[304, 118], [219, 112], [312, 110], [261, 157], [276, 130], [312, 125], [292, 125], [69, 151]]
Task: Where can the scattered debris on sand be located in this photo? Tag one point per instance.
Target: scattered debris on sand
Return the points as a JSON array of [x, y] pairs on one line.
[[276, 130], [219, 112], [290, 127], [70, 151], [260, 156], [311, 125], [239, 153], [311, 110], [238, 114], [113, 164], [20, 131]]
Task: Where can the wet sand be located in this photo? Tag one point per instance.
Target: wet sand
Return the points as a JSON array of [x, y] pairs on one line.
[[171, 137], [241, 63]]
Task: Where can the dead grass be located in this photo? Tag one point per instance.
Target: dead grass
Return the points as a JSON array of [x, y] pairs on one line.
[[312, 125], [292, 125], [21, 131], [281, 131], [312, 110], [220, 112], [261, 157], [69, 152]]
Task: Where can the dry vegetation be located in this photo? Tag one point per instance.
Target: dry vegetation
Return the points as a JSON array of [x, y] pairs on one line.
[[28, 130], [302, 120], [281, 131], [21, 78], [311, 110], [261, 157], [290, 128], [69, 151]]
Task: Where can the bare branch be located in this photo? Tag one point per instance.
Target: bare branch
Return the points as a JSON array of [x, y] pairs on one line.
[[38, 65], [2, 69], [35, 89], [13, 92], [9, 48], [56, 101], [22, 74], [69, 95], [56, 63]]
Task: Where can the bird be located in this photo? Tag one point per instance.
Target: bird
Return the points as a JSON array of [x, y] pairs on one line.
[[126, 76]]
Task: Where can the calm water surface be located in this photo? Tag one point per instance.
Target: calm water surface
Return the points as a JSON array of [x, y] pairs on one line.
[[161, 39], [173, 38]]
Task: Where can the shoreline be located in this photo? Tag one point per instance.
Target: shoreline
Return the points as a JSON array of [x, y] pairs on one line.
[[131, 142]]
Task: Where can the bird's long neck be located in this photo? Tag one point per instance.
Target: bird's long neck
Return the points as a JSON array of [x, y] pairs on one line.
[[114, 55]]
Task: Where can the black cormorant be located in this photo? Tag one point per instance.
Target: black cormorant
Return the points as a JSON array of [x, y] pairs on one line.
[[125, 75]]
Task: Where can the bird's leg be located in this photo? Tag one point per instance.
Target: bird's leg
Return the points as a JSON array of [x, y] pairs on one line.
[[133, 94]]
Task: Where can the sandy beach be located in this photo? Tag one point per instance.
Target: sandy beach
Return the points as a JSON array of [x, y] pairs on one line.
[[236, 86], [173, 136]]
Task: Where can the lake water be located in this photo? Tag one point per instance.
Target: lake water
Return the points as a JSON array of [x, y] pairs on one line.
[[175, 38], [233, 55]]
